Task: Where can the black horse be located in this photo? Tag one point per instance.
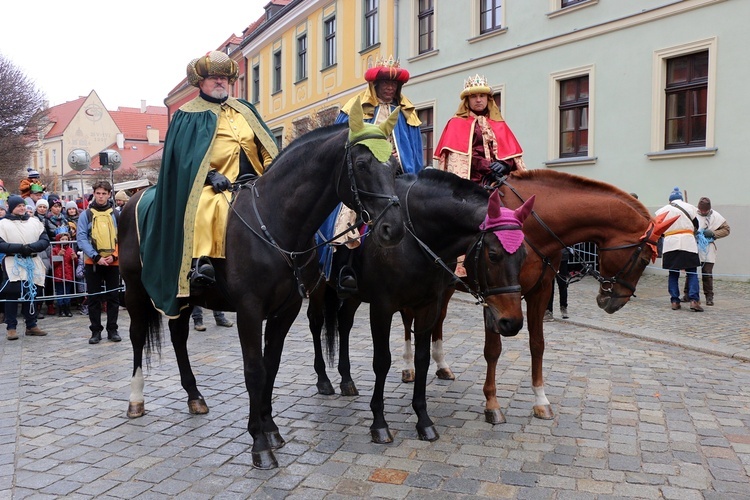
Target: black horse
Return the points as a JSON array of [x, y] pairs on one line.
[[443, 214], [270, 260]]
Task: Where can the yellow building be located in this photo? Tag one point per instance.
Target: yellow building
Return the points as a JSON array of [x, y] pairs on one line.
[[309, 57]]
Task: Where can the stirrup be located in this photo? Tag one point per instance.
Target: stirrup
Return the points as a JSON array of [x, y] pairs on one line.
[[203, 274], [346, 285]]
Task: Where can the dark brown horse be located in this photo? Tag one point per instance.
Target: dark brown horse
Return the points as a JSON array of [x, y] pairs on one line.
[[269, 262], [570, 209], [444, 216]]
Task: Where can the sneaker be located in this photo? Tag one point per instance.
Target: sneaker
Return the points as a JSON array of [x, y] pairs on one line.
[[12, 335], [85, 310], [548, 316], [224, 322], [114, 337], [199, 326], [35, 332], [564, 312]]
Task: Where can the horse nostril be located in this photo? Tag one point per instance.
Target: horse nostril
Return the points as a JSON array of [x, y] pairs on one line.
[[510, 327]]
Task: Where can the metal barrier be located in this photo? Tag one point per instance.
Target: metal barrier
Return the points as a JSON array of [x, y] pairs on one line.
[[585, 253]]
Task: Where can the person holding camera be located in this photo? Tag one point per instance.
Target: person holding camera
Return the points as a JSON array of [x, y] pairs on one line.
[[476, 143]]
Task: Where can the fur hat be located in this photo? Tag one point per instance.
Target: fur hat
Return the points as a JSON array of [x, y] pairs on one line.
[[214, 63], [676, 194], [13, 201]]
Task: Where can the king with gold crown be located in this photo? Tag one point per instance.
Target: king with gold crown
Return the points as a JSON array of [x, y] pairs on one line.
[[477, 142]]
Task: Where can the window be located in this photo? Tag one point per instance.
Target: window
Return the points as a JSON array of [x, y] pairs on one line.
[[426, 128], [426, 25], [329, 42], [277, 71], [490, 15], [574, 117], [54, 157], [568, 3], [371, 23], [302, 57], [686, 101], [256, 83], [278, 136]]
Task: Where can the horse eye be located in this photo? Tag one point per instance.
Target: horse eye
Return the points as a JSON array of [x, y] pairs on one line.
[[494, 256]]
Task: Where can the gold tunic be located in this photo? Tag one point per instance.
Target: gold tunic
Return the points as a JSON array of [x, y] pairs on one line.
[[232, 133]]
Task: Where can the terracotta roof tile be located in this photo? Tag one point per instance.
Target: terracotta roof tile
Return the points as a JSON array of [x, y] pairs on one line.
[[133, 124], [61, 115]]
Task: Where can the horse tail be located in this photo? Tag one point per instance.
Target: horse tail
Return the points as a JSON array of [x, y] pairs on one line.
[[331, 305], [153, 332]]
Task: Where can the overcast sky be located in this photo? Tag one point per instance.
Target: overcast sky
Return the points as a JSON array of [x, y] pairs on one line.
[[126, 51]]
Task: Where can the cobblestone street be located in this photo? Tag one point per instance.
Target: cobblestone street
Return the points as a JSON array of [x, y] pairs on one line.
[[649, 402]]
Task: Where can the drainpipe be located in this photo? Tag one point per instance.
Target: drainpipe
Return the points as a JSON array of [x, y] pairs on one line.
[[395, 36]]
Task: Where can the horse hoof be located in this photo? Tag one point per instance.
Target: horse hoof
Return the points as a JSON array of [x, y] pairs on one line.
[[197, 406], [275, 441], [544, 412], [136, 410], [325, 388], [494, 417], [264, 460], [445, 374], [381, 436], [349, 389], [429, 433], [407, 376]]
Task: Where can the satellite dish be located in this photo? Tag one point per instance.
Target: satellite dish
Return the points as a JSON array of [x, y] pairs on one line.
[[79, 160]]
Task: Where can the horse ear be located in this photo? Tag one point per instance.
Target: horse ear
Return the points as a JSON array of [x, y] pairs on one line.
[[388, 125], [524, 210], [494, 205], [661, 225], [356, 117]]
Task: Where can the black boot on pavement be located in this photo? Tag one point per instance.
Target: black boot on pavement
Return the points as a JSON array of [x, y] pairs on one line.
[[114, 336], [95, 338]]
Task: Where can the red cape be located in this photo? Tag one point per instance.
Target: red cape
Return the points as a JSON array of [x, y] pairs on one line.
[[457, 136]]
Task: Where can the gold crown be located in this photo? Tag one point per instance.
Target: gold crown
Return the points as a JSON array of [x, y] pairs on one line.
[[388, 63], [475, 81]]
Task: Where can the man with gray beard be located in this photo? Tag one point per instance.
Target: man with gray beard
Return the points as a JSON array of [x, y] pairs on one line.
[[212, 140]]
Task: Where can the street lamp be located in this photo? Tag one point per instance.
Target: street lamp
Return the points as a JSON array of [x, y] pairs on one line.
[[79, 160], [110, 160]]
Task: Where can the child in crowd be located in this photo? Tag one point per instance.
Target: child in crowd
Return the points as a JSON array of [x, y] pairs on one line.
[[64, 270]]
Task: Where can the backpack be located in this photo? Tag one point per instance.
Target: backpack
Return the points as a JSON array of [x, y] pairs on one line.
[[103, 231]]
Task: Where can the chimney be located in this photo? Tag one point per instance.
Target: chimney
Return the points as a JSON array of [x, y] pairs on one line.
[[152, 135], [143, 105], [120, 141]]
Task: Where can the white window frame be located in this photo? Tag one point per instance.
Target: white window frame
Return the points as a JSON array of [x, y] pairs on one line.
[[659, 100], [553, 120]]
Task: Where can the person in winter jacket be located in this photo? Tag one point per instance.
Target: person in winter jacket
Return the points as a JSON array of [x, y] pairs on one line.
[[64, 269]]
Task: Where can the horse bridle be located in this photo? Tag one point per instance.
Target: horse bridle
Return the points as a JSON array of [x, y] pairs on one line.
[[476, 291], [606, 284]]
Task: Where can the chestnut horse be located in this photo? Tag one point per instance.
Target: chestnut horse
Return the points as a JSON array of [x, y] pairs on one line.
[[444, 215], [270, 262], [569, 209]]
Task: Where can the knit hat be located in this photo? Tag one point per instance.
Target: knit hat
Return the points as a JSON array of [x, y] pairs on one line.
[[122, 196], [71, 204], [13, 201], [43, 203], [675, 195], [33, 174], [704, 204], [53, 198]]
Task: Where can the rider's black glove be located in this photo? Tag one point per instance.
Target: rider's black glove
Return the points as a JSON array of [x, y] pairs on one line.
[[26, 251], [500, 168], [217, 181]]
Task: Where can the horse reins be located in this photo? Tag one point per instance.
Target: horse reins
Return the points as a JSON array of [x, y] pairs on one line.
[[607, 284], [477, 292]]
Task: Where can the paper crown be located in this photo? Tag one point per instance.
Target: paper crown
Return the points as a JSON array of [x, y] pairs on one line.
[[476, 84], [387, 69]]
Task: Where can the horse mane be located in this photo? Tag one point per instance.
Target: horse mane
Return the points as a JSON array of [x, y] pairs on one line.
[[562, 179], [318, 134], [440, 179]]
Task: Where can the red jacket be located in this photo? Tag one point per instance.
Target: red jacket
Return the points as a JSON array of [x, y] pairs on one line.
[[67, 268]]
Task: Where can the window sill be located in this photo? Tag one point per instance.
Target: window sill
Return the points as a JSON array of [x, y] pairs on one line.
[[572, 8], [301, 80], [328, 67], [668, 154], [489, 34], [369, 49], [423, 55], [572, 161], [276, 92]]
